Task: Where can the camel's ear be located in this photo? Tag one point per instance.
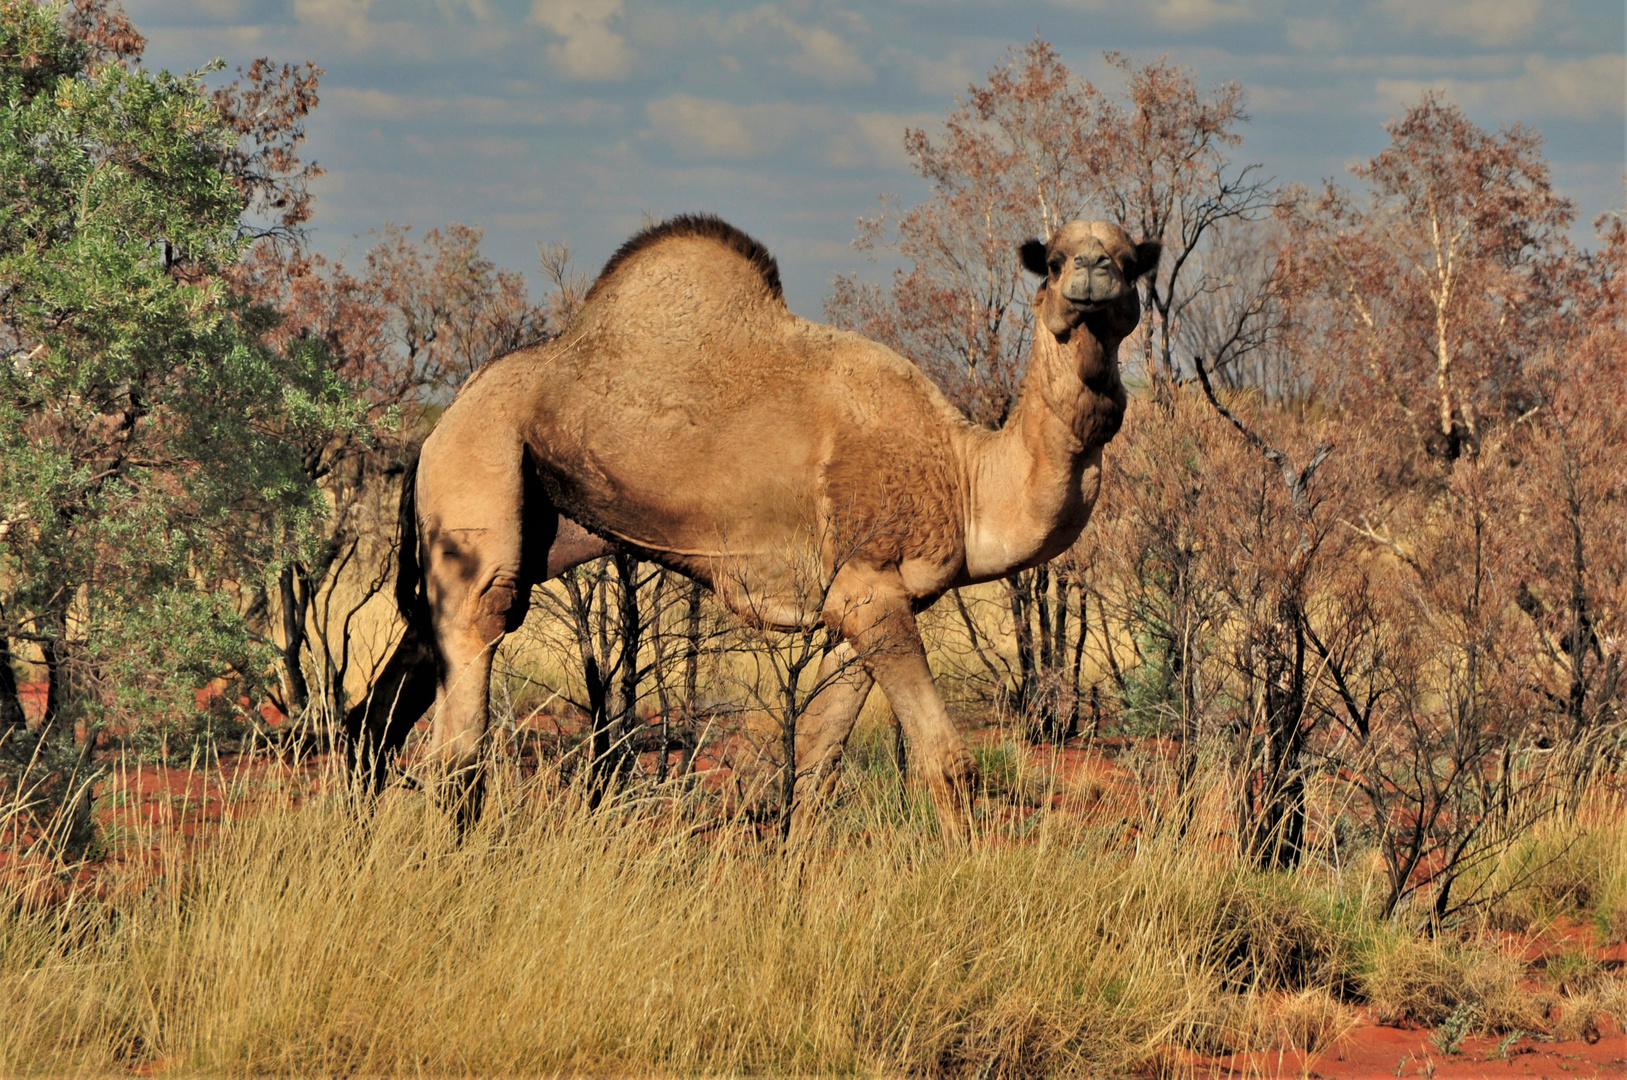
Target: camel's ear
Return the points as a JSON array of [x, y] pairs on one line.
[[1144, 260], [1033, 257]]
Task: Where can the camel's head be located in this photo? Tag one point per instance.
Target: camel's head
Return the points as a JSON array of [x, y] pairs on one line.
[[1090, 269]]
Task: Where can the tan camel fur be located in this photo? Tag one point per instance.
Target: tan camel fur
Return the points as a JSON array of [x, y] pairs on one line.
[[687, 415]]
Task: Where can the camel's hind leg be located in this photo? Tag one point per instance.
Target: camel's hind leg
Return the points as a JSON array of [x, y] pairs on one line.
[[823, 730], [474, 521], [376, 726], [874, 613]]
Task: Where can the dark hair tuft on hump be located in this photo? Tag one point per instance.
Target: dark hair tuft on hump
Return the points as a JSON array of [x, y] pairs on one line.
[[707, 227]]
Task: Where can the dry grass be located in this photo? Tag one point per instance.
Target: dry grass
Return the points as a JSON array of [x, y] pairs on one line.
[[653, 938], [1569, 867], [301, 941], [1422, 981], [1309, 1020]]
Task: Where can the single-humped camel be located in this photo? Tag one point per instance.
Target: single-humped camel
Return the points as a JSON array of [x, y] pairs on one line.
[[685, 414]]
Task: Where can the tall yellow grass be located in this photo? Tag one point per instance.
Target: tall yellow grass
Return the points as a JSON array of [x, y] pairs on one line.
[[299, 937], [303, 939]]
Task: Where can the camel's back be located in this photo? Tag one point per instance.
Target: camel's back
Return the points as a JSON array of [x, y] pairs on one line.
[[685, 406]]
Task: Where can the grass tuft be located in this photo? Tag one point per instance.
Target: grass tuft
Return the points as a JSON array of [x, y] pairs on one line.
[[1427, 982]]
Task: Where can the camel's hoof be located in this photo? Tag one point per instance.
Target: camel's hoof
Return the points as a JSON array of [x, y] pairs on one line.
[[963, 775]]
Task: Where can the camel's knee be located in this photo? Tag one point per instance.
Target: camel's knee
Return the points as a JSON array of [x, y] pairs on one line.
[[498, 609], [818, 775], [829, 777], [816, 784]]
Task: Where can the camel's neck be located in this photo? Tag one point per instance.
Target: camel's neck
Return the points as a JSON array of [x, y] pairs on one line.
[[1033, 483]]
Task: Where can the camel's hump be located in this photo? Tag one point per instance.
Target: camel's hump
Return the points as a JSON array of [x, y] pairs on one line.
[[706, 227]]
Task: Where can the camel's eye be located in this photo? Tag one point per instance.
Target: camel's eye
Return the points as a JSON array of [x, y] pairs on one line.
[[1057, 261]]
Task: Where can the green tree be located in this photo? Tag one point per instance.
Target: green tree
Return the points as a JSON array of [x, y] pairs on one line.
[[148, 461]]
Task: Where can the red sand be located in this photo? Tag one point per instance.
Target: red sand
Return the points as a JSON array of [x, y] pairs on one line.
[[1374, 1052]]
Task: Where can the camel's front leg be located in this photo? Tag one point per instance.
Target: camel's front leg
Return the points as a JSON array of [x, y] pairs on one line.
[[469, 633], [876, 619], [823, 730], [480, 594], [474, 528]]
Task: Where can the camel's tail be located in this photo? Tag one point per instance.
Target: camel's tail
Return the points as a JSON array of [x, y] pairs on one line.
[[409, 578], [376, 726]]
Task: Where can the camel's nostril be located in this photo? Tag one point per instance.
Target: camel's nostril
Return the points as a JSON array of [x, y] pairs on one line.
[[1091, 262]]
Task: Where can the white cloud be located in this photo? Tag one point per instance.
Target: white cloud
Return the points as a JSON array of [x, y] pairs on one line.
[[821, 53], [345, 17], [363, 25], [1178, 14], [1314, 35], [724, 129], [375, 104], [1194, 14], [217, 11], [486, 148], [826, 56], [943, 76], [1485, 22], [589, 48], [468, 108], [1581, 89], [883, 135], [1270, 100], [709, 127], [456, 9], [188, 43]]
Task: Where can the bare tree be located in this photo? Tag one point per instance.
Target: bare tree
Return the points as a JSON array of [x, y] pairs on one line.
[[1272, 818], [785, 671], [1438, 281]]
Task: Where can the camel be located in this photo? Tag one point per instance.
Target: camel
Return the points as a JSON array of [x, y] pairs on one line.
[[686, 415]]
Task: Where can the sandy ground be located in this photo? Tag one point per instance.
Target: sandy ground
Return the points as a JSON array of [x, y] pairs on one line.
[[1372, 1052]]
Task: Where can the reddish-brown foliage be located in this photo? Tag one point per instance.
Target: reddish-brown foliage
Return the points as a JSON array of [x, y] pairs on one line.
[[1423, 298], [1385, 543]]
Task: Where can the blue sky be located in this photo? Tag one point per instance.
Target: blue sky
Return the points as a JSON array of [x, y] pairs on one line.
[[569, 120]]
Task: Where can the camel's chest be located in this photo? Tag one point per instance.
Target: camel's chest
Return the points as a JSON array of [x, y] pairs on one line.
[[897, 505]]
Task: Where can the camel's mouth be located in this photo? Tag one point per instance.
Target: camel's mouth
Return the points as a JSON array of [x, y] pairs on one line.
[[1094, 295]]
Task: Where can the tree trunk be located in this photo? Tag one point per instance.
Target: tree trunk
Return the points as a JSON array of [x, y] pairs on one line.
[[598, 727], [1182, 663], [1277, 837], [692, 658], [55, 654], [1019, 591], [1078, 668], [297, 693], [997, 678], [658, 670], [1046, 658], [582, 611], [630, 629], [901, 754], [11, 702], [1059, 618], [789, 710]]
